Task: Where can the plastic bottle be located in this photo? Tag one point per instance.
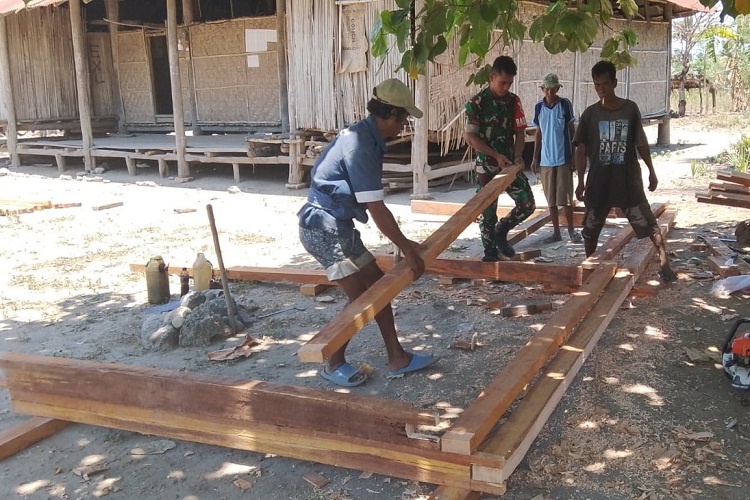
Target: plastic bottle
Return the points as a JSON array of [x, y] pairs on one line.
[[203, 271], [184, 282], [157, 280]]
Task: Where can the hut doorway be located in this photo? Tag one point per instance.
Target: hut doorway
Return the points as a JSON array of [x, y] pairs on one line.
[[162, 87]]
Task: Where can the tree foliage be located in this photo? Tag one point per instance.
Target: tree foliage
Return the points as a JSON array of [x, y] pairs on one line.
[[732, 8], [421, 34]]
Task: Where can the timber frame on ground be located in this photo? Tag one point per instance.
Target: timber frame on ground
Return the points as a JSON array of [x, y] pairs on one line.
[[358, 432]]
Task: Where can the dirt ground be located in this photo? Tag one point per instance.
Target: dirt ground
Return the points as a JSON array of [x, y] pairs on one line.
[[642, 419]]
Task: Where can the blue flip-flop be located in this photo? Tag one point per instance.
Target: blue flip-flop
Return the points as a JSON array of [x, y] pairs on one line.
[[342, 376], [418, 362]]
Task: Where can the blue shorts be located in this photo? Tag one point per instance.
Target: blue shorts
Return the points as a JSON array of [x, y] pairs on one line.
[[341, 253]]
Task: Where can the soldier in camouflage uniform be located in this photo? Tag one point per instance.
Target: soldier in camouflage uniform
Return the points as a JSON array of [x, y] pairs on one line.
[[495, 129]]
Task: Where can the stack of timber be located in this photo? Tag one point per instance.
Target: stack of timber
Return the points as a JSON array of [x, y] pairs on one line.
[[16, 206], [731, 189]]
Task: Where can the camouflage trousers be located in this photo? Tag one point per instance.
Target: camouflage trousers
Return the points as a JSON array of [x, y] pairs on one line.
[[520, 192]]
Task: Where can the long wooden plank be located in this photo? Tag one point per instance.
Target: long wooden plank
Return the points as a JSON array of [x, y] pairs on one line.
[[729, 187], [526, 272], [470, 429], [251, 401], [516, 436], [28, 433], [528, 227], [153, 411], [736, 177], [725, 199], [358, 313]]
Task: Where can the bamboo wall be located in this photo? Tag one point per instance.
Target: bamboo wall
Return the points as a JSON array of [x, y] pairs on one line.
[[41, 64], [236, 71], [135, 78], [235, 83], [322, 99], [101, 74]]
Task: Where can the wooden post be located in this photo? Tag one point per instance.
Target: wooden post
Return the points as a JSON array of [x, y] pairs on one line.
[[419, 145], [113, 14], [296, 173], [187, 19], [663, 135], [6, 87], [183, 168], [82, 82], [281, 57]]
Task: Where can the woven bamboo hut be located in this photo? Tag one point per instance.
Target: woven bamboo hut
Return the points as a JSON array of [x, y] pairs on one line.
[[275, 65], [106, 66], [327, 92]]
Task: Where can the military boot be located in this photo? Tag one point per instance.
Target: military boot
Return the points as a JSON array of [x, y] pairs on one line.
[[501, 238]]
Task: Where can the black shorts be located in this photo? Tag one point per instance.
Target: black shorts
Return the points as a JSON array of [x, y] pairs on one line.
[[640, 217]]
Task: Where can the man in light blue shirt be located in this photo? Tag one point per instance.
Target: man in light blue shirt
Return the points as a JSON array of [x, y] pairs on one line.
[[553, 153], [346, 184]]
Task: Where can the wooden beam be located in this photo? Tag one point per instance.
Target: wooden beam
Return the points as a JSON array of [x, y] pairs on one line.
[[529, 226], [730, 187], [515, 437], [294, 422], [281, 61], [22, 436], [112, 8], [527, 272], [517, 434], [183, 167], [473, 426], [358, 313], [187, 21], [82, 82], [252, 402], [6, 87], [724, 198], [736, 177]]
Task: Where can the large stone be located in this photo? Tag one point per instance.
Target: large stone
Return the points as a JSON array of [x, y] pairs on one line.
[[200, 327], [155, 335], [177, 316], [192, 299]]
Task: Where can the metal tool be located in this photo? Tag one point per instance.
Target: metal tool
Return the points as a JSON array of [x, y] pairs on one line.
[[281, 311], [231, 310]]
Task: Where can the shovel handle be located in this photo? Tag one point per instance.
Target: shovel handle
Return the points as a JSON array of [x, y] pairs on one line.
[[231, 311]]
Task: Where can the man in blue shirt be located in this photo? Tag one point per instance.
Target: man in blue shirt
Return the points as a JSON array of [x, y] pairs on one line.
[[346, 184], [553, 154]]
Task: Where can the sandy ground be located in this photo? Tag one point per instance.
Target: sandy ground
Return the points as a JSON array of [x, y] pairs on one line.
[[623, 429]]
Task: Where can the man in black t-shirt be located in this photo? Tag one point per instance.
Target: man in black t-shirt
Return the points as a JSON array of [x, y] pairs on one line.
[[610, 137]]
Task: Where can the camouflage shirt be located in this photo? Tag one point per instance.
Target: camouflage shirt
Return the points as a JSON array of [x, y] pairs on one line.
[[494, 120]]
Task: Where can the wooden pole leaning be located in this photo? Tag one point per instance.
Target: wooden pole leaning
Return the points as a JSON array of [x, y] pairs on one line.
[[231, 309], [354, 316]]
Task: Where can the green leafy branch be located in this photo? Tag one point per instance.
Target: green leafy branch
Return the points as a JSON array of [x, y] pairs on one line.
[[566, 25]]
